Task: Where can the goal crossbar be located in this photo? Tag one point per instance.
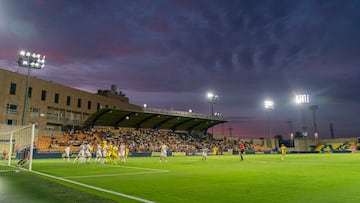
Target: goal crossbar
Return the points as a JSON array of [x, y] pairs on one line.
[[11, 139]]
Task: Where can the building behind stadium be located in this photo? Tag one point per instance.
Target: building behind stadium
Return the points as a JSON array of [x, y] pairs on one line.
[[53, 106]]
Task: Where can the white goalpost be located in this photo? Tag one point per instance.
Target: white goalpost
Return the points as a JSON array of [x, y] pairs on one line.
[[16, 148]]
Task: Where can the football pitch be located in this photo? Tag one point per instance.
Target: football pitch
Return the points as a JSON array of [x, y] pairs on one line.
[[259, 178]]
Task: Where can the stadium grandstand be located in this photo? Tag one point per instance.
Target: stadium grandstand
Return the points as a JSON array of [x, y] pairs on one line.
[[65, 116]]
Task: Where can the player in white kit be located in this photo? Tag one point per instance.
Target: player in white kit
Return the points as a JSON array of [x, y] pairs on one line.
[[81, 156], [163, 153], [67, 153], [122, 153], [98, 152], [104, 152], [204, 153], [87, 153]]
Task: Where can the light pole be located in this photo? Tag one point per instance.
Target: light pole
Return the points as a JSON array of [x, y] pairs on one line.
[[230, 131], [303, 99], [269, 105], [30, 61], [291, 132], [212, 99], [313, 108]]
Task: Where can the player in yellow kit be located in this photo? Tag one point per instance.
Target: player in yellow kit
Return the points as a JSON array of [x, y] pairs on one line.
[[215, 150], [114, 154], [109, 153], [283, 151], [126, 152]]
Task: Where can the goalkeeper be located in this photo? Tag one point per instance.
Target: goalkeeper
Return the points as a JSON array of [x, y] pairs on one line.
[[26, 156]]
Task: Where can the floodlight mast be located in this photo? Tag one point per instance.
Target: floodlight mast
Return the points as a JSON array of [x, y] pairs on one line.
[[30, 61], [291, 132], [269, 105], [302, 99], [212, 99], [313, 108]]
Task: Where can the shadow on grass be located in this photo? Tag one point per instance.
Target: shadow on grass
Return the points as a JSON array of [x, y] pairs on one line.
[[27, 187]]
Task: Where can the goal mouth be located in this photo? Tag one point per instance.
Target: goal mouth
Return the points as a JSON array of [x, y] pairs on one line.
[[16, 149]]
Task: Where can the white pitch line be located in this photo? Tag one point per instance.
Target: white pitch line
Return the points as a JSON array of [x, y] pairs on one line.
[[118, 174], [95, 188], [5, 171], [132, 167], [306, 163]]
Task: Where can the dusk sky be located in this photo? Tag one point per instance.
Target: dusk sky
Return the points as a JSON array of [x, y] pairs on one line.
[[170, 53]]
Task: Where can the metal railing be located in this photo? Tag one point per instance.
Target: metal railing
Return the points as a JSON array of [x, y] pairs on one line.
[[183, 113]]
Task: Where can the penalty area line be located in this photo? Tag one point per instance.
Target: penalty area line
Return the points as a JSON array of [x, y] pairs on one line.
[[95, 188], [117, 174], [140, 168]]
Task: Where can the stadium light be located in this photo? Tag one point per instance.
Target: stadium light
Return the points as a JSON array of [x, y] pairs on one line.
[[30, 61], [303, 99], [291, 132], [313, 108], [212, 99], [269, 105]]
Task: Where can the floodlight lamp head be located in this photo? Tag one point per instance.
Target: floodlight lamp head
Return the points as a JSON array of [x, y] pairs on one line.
[[31, 60], [269, 104], [212, 97], [302, 98]]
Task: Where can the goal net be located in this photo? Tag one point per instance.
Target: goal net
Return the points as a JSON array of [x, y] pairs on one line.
[[16, 148]]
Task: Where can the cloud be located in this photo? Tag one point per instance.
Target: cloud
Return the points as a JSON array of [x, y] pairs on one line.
[[244, 50]]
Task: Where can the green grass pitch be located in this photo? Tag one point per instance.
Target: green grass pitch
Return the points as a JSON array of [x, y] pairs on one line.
[[259, 178]]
